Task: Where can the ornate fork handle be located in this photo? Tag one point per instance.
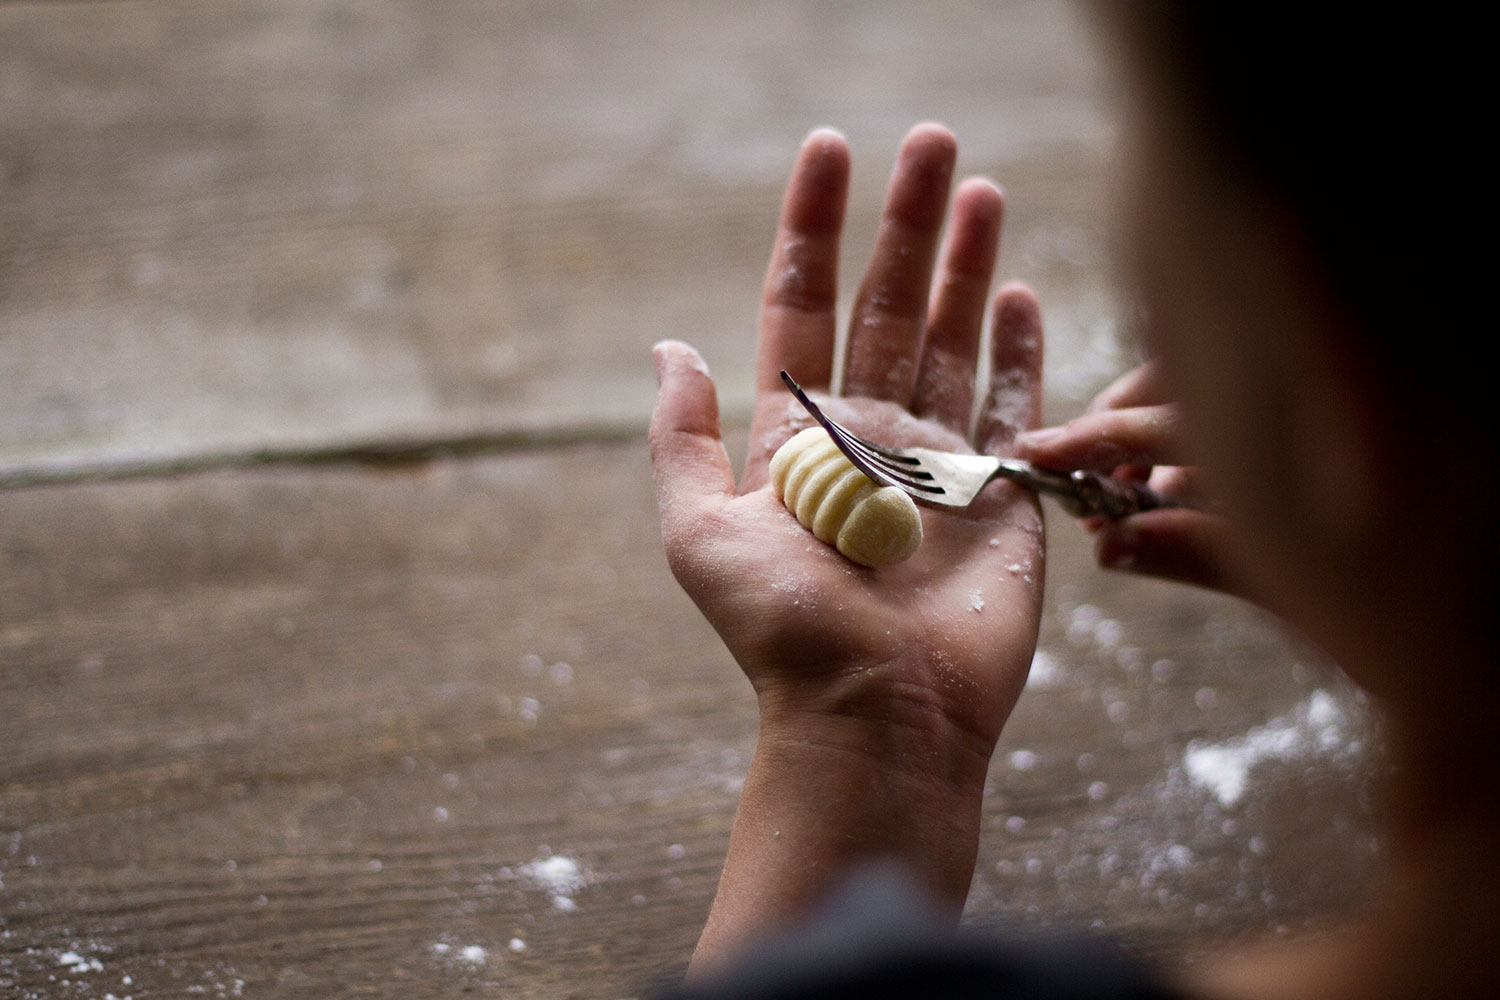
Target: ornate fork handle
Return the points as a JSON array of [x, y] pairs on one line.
[[1093, 494]]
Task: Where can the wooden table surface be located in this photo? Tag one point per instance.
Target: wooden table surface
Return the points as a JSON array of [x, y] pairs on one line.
[[338, 656]]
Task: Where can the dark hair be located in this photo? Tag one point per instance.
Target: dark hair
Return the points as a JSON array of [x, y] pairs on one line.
[[1362, 124]]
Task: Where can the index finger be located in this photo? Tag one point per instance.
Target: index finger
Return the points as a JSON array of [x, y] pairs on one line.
[[1108, 439], [799, 300], [1141, 386]]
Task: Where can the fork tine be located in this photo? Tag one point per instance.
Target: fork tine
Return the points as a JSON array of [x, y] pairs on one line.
[[902, 467], [887, 467], [884, 452], [903, 471]]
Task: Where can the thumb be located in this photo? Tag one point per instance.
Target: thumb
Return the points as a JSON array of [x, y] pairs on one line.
[[688, 459]]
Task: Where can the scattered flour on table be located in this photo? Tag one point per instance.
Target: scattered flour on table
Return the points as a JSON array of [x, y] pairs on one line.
[[1317, 725], [560, 875], [528, 710], [74, 962], [469, 954], [220, 982], [1088, 626]]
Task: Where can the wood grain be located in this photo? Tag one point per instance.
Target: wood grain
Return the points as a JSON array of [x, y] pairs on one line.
[[300, 726], [232, 229], [282, 716]]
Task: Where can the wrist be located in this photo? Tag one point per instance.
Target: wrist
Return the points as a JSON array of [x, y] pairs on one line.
[[883, 761], [904, 732], [880, 773], [904, 717]]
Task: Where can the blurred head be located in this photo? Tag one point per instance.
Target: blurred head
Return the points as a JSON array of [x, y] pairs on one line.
[[1311, 309]]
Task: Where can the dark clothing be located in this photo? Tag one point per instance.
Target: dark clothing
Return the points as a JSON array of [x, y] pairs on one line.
[[878, 937]]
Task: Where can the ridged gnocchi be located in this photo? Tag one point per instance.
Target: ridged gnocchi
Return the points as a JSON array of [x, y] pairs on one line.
[[870, 524]]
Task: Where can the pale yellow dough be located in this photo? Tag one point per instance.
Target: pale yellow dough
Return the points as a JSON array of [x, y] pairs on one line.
[[870, 524]]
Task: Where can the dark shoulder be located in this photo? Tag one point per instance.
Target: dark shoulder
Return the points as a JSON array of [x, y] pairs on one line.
[[878, 937]]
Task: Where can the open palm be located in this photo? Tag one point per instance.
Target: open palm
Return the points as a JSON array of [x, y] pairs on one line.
[[949, 633]]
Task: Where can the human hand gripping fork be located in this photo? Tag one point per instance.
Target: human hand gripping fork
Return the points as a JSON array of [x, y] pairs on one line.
[[954, 479]]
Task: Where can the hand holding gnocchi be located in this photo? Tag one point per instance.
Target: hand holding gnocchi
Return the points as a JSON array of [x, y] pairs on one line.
[[883, 689]]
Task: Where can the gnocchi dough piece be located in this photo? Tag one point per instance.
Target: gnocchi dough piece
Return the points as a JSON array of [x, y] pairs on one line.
[[870, 524]]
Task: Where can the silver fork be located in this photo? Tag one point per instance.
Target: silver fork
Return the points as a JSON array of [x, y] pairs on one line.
[[954, 479]]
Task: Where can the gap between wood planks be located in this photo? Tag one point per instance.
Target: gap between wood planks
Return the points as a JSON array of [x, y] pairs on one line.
[[394, 451]]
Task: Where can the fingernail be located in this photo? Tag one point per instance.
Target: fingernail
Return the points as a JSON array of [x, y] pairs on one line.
[[659, 359], [686, 357], [1039, 438]]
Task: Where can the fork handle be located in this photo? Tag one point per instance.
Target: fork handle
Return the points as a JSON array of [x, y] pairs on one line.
[[1096, 495]]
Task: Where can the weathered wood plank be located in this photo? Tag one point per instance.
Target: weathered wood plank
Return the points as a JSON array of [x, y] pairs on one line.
[[325, 731], [228, 700], [316, 730], [227, 229]]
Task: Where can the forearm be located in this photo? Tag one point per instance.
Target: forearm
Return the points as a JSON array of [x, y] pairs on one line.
[[828, 791]]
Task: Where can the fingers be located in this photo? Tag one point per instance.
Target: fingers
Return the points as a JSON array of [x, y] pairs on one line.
[[688, 459], [1103, 441], [1141, 386], [885, 333], [1013, 401], [800, 295], [945, 376], [1179, 544]]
